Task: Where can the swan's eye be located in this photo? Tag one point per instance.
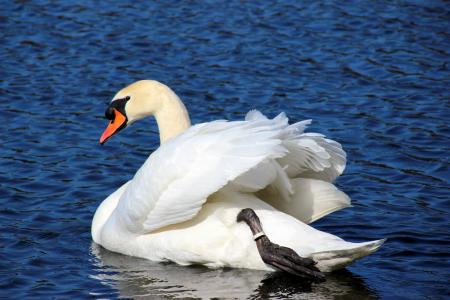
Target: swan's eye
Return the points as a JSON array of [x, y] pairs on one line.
[[127, 98], [109, 113]]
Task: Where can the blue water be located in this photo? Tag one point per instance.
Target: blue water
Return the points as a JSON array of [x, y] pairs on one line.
[[373, 75]]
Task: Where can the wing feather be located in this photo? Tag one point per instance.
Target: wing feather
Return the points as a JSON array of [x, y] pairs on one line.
[[250, 155], [302, 186], [176, 180], [310, 155]]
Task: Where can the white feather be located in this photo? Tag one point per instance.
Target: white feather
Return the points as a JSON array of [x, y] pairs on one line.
[[182, 203], [201, 161]]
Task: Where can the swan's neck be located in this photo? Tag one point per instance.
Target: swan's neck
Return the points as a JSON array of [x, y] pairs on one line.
[[172, 116]]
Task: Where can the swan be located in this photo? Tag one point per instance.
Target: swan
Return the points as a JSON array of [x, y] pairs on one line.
[[226, 193]]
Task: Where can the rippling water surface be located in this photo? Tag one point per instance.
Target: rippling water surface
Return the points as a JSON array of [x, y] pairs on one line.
[[373, 75]]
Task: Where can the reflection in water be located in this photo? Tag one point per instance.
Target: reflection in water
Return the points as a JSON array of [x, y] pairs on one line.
[[142, 279]]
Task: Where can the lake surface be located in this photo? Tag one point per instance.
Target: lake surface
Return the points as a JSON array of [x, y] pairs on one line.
[[373, 75]]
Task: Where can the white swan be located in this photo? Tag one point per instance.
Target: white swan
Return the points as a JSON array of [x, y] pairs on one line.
[[182, 204]]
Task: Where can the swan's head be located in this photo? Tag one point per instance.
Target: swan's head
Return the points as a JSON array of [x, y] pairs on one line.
[[134, 102]]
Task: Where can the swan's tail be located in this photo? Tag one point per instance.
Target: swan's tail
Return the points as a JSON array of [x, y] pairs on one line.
[[328, 261]]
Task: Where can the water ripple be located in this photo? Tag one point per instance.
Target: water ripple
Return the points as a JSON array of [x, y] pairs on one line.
[[373, 76]]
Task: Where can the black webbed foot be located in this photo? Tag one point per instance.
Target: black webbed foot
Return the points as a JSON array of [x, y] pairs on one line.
[[286, 259], [282, 258]]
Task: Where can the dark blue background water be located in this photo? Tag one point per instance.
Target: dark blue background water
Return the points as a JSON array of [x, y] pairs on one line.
[[373, 75]]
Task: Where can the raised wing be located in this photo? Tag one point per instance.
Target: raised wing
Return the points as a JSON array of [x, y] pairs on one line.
[[310, 155], [176, 180], [311, 164]]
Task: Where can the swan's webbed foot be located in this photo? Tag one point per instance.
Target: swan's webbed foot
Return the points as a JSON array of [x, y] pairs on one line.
[[282, 258]]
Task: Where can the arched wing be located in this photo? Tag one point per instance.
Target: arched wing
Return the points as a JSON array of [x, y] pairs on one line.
[[176, 180], [310, 155], [311, 164]]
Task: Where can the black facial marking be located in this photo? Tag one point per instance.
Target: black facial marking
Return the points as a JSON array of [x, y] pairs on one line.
[[109, 113], [118, 104]]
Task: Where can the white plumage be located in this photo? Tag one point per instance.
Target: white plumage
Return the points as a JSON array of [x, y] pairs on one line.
[[182, 203]]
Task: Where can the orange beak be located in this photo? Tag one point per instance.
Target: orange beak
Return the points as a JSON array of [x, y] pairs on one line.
[[113, 126]]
